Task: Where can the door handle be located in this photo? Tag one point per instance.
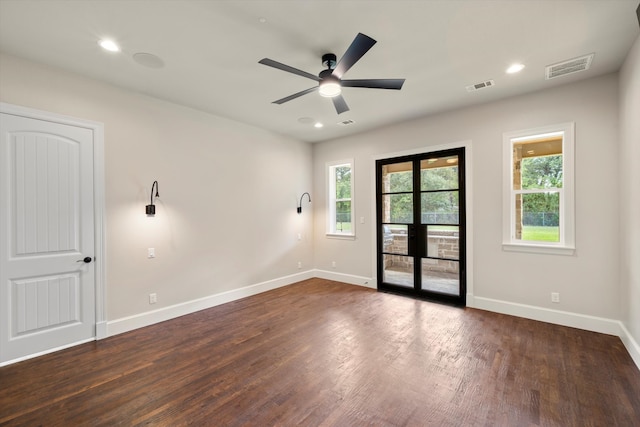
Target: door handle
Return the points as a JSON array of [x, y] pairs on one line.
[[86, 260]]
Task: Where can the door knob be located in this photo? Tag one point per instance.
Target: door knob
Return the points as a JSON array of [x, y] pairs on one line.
[[86, 259]]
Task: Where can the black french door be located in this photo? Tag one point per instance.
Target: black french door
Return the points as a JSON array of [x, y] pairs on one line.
[[421, 238]]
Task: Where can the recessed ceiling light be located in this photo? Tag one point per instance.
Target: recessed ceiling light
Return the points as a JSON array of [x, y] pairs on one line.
[[515, 68], [109, 45], [318, 125], [148, 60], [262, 20]]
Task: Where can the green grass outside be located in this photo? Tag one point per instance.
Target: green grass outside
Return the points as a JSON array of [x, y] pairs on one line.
[[541, 234], [343, 227]]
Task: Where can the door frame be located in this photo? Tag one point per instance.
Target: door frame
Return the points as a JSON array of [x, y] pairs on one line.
[[468, 177], [97, 129]]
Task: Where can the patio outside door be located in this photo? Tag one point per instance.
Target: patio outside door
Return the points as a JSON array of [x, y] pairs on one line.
[[421, 225]]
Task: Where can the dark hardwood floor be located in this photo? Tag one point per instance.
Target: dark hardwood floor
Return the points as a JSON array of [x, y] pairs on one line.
[[326, 353]]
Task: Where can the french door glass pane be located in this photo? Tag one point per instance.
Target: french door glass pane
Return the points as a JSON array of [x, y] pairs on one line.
[[443, 242], [394, 239], [439, 173], [397, 208], [397, 177], [440, 207], [441, 276], [398, 270]]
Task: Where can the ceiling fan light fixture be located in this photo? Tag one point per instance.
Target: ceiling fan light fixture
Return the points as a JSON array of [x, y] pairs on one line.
[[329, 88]]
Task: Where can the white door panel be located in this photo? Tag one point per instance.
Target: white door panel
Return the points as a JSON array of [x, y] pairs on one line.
[[47, 291]]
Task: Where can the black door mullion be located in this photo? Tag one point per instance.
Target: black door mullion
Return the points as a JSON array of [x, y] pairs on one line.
[[417, 226]]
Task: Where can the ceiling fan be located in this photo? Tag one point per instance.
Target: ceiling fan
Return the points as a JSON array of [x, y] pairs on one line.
[[330, 81]]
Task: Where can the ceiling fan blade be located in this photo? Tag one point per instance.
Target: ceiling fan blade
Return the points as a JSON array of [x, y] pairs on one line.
[[360, 45], [374, 83], [295, 95], [283, 67], [340, 104]]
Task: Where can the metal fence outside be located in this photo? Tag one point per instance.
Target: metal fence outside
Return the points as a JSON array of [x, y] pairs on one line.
[[428, 218], [541, 219]]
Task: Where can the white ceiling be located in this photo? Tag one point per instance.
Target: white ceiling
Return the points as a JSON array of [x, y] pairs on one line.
[[211, 50]]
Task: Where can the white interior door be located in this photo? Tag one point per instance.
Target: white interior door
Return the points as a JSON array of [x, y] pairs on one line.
[[47, 248]]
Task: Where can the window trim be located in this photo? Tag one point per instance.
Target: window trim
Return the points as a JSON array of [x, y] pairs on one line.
[[331, 200], [566, 246]]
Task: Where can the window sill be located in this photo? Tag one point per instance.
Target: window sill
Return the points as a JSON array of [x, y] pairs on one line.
[[341, 236], [538, 248]]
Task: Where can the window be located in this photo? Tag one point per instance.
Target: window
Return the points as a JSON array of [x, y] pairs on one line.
[[340, 185], [538, 199]]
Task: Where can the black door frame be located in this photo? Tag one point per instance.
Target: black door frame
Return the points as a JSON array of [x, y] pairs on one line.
[[417, 230]]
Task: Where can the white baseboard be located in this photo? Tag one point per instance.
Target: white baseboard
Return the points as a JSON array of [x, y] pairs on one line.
[[101, 330], [564, 318], [632, 346], [575, 320], [126, 324], [367, 282]]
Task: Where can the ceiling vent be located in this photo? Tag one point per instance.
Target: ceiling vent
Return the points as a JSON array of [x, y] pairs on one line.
[[346, 122], [481, 85], [568, 67]]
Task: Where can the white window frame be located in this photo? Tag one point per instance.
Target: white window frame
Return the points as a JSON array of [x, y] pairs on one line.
[[331, 200], [566, 245]]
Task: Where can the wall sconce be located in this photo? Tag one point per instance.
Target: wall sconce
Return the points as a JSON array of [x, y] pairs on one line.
[[300, 205], [151, 209]]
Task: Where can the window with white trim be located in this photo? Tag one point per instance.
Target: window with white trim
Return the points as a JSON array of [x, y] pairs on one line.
[[538, 199], [340, 195]]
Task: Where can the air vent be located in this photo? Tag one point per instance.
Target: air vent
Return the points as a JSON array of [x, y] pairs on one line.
[[568, 67], [346, 122], [481, 85]]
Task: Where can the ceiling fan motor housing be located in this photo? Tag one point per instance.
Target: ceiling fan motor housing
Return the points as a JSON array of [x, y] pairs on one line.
[[329, 60], [326, 74]]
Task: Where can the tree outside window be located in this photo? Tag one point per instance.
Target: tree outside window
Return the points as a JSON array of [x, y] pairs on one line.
[[340, 198]]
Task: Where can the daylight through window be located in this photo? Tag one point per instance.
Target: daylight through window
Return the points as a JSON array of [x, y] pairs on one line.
[[539, 191], [340, 186]]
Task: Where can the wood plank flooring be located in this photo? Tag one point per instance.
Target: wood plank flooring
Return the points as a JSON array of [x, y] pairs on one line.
[[322, 353]]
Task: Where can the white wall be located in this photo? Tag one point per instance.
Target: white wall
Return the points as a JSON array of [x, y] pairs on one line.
[[226, 218], [588, 282], [629, 170]]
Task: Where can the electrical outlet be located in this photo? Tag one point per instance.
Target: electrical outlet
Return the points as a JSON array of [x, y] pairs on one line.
[[333, 264], [153, 298], [299, 264], [299, 236], [555, 297]]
